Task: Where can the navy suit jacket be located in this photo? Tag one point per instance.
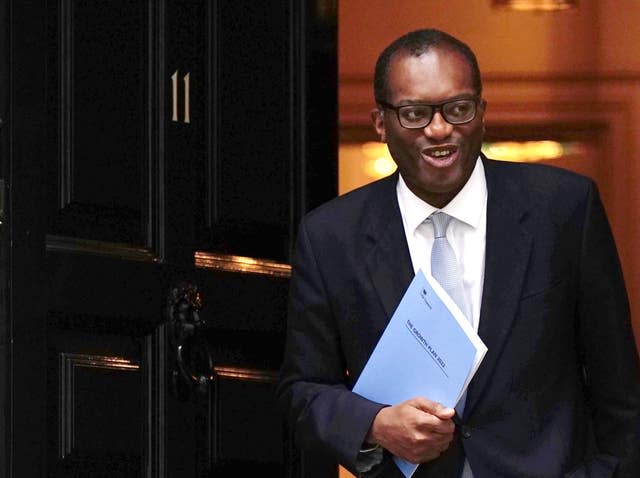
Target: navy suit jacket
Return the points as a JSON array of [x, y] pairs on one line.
[[558, 393]]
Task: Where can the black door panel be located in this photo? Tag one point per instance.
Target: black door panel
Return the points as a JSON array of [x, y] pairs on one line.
[[148, 144]]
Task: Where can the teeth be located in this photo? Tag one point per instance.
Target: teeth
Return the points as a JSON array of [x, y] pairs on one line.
[[441, 153]]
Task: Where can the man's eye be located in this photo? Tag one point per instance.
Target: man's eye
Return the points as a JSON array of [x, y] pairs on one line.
[[414, 114], [460, 109]]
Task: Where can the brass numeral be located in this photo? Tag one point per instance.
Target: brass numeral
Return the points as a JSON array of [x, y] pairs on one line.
[[187, 101], [174, 97]]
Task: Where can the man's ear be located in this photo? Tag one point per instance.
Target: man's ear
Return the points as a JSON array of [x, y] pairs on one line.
[[377, 117]]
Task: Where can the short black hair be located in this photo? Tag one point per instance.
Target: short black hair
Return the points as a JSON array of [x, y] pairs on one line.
[[417, 43]]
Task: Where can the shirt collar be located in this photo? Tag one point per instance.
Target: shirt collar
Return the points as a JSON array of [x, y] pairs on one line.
[[467, 206]]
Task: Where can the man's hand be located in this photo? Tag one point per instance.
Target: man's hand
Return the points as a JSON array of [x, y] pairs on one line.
[[417, 430]]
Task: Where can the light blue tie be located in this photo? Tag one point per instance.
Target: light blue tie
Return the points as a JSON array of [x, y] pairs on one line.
[[444, 265], [444, 269]]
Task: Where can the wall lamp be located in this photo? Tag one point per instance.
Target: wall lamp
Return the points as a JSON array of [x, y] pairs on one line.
[[536, 5]]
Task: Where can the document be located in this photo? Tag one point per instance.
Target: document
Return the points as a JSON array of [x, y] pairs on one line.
[[428, 349]]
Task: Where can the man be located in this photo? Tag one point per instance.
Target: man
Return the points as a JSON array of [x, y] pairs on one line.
[[558, 392]]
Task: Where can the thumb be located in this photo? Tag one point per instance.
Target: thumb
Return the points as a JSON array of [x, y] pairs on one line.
[[434, 408]]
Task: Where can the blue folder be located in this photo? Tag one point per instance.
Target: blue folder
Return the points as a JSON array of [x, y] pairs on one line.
[[427, 349]]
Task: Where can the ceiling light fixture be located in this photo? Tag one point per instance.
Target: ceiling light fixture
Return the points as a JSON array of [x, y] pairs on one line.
[[536, 5]]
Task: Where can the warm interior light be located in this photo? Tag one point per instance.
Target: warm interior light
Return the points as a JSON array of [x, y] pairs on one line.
[[378, 162], [524, 151], [361, 163], [539, 5]]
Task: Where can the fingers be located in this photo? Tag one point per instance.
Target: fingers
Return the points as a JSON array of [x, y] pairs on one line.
[[437, 417], [430, 454], [417, 430]]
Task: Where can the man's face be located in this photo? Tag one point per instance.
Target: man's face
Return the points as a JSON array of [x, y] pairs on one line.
[[437, 160]]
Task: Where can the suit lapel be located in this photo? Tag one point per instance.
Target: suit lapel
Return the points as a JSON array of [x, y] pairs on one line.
[[388, 260], [508, 247]]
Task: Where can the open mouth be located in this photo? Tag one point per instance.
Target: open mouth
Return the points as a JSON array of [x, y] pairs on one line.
[[440, 152], [442, 156]]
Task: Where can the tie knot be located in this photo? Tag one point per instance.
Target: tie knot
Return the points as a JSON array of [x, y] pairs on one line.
[[440, 223]]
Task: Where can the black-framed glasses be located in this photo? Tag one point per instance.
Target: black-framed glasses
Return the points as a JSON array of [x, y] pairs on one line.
[[416, 116]]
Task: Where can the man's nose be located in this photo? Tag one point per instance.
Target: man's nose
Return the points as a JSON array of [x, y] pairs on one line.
[[438, 128]]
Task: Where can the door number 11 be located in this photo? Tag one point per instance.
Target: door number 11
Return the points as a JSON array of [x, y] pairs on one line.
[[174, 97]]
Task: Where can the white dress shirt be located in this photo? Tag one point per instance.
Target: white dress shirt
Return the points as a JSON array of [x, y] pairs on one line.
[[466, 233]]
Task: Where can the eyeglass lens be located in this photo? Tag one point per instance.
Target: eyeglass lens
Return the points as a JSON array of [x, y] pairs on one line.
[[454, 112]]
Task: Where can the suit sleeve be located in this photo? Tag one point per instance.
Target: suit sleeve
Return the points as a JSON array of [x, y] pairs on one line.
[[610, 358], [325, 416]]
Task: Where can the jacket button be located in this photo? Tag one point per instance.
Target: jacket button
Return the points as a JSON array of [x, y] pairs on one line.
[[465, 431]]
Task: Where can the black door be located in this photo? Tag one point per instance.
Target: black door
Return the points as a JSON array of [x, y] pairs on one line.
[[156, 158]]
